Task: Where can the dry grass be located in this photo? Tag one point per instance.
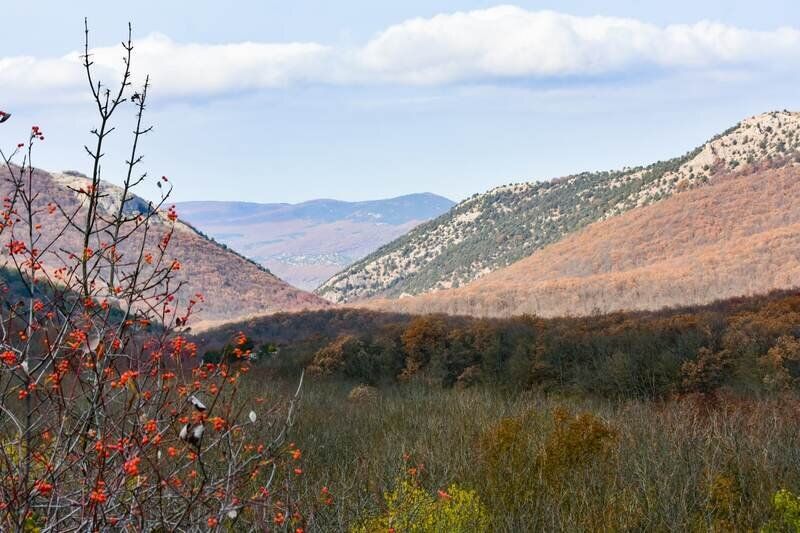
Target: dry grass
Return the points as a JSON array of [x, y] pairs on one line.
[[565, 464]]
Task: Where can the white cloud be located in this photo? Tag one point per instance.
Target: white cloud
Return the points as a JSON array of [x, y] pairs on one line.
[[20, 75], [504, 42], [202, 68], [509, 42], [176, 69]]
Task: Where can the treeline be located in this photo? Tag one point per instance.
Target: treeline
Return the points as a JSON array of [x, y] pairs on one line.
[[751, 345]]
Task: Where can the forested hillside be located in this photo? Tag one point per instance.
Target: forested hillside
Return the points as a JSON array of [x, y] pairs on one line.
[[232, 286], [494, 229], [739, 236]]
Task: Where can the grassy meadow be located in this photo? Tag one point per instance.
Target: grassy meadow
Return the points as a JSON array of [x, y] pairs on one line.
[[543, 463]]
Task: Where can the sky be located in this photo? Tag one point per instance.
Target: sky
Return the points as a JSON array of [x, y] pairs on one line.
[[273, 101]]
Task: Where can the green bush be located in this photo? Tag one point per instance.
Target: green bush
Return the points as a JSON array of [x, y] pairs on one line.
[[786, 513], [409, 508]]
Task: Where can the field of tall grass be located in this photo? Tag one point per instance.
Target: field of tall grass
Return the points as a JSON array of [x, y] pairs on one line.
[[541, 463]]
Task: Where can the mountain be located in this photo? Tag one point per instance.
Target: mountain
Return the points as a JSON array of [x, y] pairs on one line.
[[738, 236], [492, 230], [233, 287], [307, 243]]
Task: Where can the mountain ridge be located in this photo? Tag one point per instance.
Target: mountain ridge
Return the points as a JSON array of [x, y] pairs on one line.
[[739, 236], [494, 229], [315, 208], [234, 287]]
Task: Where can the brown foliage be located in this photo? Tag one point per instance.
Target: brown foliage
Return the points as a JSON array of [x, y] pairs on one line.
[[333, 357], [363, 394], [782, 363], [423, 338], [707, 372], [576, 442], [733, 344]]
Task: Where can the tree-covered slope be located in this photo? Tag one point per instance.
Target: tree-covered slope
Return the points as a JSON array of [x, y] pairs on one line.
[[492, 230], [234, 286], [739, 236]]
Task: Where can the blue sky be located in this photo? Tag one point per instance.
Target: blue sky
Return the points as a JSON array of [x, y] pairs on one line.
[[288, 101]]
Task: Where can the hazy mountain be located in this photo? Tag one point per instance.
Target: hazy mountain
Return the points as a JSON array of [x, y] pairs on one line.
[[307, 243], [492, 230], [234, 287]]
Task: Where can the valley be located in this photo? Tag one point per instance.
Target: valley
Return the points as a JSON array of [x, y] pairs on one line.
[[601, 334], [307, 243]]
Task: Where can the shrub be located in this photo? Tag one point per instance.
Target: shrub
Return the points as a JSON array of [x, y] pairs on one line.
[[334, 357], [782, 363], [785, 513], [723, 497], [110, 421], [350, 357], [506, 458], [576, 444], [409, 508], [707, 372], [363, 393]]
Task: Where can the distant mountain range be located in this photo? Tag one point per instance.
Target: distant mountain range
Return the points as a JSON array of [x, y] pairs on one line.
[[496, 229], [307, 243]]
